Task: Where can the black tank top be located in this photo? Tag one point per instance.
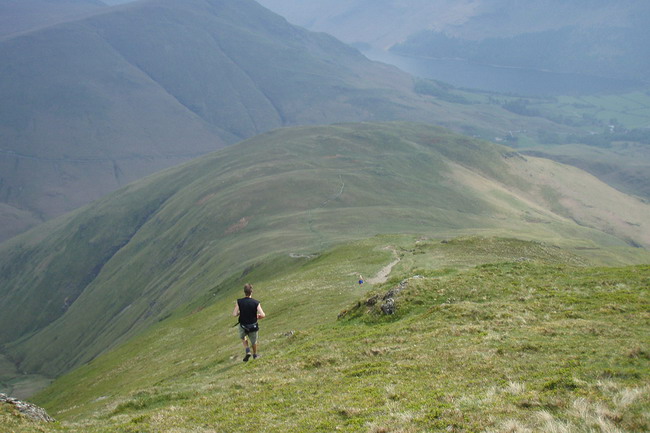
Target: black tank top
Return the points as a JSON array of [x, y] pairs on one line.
[[247, 310]]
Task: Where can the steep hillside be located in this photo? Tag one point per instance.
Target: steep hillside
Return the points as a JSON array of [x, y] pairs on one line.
[[614, 144], [602, 51], [590, 37], [379, 23], [364, 21], [83, 283], [493, 335], [96, 103], [25, 15], [623, 165]]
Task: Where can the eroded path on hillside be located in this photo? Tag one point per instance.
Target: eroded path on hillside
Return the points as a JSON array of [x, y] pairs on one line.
[[382, 275]]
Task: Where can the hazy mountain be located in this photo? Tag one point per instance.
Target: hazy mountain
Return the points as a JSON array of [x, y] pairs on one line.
[[90, 105], [20, 16], [380, 23], [591, 37], [79, 284], [117, 2], [94, 103], [367, 22]]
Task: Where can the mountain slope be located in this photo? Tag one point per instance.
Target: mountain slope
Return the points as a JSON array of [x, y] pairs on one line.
[[26, 15], [380, 24], [96, 103], [625, 165], [488, 335], [588, 37], [107, 272], [359, 22]]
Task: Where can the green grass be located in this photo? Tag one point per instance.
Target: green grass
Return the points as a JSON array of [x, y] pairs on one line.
[[18, 385], [489, 335], [94, 279], [632, 110], [570, 115], [622, 165]]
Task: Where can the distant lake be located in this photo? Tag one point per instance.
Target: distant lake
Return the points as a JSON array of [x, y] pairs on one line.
[[527, 82]]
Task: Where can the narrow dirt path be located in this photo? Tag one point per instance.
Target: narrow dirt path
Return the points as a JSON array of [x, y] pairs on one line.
[[382, 275]]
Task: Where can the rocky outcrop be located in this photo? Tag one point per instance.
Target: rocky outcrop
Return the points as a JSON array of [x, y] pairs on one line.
[[379, 304], [388, 305], [29, 410]]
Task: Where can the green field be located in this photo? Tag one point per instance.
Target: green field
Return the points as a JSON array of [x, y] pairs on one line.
[[129, 299], [489, 334], [632, 109], [18, 385], [599, 120], [95, 278]]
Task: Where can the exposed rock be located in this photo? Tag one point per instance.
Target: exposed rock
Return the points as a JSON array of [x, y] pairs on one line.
[[378, 304], [389, 306], [31, 411]]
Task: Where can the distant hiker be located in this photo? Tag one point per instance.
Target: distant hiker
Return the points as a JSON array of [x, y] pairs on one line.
[[249, 311], [360, 280]]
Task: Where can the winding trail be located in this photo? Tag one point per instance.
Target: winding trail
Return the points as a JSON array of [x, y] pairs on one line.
[[382, 275]]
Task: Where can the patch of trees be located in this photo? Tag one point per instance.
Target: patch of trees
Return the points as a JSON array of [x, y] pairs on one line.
[[612, 135], [521, 107], [439, 90]]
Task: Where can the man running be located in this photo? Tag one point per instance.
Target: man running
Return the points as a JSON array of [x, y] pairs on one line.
[[249, 311]]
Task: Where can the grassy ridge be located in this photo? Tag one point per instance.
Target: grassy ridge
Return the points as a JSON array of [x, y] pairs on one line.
[[107, 99], [184, 232], [95, 103], [499, 335]]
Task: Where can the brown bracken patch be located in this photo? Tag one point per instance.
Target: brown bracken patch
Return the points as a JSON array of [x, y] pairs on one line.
[[205, 199], [239, 225]]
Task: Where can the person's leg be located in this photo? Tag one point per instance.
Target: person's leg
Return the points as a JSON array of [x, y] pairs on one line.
[[244, 341], [253, 340], [248, 350]]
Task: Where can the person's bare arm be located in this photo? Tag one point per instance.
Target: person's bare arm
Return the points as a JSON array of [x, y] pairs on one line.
[[235, 312], [260, 312]]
